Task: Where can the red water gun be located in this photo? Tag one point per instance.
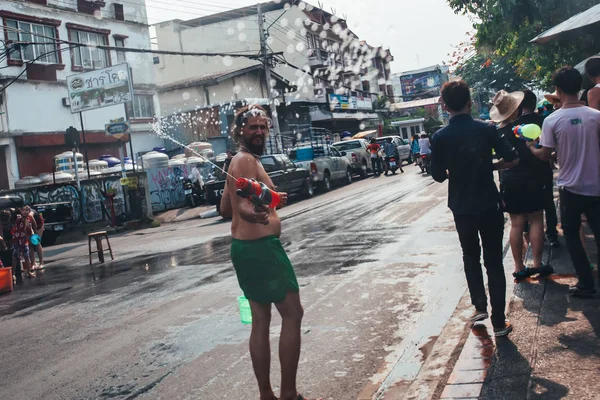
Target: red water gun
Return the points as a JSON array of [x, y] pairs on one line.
[[257, 192]]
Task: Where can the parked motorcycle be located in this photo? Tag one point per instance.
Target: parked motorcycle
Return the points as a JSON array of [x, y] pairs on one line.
[[194, 195]]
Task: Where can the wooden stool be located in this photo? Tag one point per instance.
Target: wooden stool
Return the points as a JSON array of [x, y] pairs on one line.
[[98, 236]]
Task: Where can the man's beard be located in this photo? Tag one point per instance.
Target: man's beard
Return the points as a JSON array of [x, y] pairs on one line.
[[255, 149]]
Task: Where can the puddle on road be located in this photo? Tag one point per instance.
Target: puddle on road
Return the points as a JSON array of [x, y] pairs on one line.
[[62, 283]]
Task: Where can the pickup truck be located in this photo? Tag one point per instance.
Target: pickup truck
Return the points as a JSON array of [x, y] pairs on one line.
[[358, 155], [325, 164], [57, 216], [286, 176]]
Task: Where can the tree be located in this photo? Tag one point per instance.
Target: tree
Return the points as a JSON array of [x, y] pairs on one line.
[[382, 103], [505, 27]]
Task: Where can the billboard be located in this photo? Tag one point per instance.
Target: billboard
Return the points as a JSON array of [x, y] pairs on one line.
[[100, 88], [340, 102], [422, 85]]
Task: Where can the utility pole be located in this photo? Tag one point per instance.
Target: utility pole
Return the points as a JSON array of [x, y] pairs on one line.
[[267, 64]]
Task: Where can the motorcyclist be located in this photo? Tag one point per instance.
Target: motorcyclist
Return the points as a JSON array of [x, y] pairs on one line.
[[196, 177], [391, 150], [424, 145], [425, 151]]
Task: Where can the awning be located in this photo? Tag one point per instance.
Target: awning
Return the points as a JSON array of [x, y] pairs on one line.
[[580, 20], [416, 103], [364, 134], [408, 122], [357, 116], [581, 66]]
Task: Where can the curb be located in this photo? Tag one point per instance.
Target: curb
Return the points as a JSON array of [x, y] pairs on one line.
[[470, 370]]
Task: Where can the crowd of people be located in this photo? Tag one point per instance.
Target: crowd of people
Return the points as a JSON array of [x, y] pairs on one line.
[[463, 153], [21, 240]]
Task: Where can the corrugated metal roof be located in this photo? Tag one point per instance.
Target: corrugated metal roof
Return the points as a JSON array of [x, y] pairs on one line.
[[580, 20]]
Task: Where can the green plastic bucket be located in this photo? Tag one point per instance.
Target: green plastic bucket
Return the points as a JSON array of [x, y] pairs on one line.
[[245, 310]]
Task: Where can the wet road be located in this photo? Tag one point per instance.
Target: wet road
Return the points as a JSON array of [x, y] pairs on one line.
[[380, 275]]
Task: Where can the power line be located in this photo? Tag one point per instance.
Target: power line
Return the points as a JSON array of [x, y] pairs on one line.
[[31, 63], [207, 12], [125, 49]]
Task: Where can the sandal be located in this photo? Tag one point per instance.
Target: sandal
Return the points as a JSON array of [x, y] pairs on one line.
[[31, 275], [522, 275]]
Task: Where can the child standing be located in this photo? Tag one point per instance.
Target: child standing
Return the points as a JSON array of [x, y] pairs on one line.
[[21, 232]]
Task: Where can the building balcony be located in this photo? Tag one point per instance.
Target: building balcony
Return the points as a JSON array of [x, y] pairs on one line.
[[318, 58]]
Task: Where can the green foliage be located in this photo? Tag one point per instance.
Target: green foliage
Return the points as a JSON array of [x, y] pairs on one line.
[[490, 74], [505, 28], [382, 103], [431, 123]]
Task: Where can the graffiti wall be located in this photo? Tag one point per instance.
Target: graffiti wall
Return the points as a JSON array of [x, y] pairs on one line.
[[90, 205], [166, 187]]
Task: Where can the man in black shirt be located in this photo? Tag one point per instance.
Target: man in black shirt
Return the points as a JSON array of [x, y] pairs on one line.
[[463, 153]]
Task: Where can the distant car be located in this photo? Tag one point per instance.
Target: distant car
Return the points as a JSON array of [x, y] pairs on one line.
[[286, 176], [357, 153], [325, 163], [57, 216], [402, 144]]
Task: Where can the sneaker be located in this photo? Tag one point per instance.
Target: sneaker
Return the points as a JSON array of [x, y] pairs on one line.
[[479, 316], [577, 291], [501, 332]]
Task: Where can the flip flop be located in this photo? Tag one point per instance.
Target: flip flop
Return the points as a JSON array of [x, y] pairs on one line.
[[522, 275]]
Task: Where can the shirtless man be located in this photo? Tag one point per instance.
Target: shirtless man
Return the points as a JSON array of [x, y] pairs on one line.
[[263, 269]]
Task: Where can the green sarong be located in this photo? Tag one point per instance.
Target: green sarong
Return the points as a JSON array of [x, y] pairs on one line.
[[263, 269]]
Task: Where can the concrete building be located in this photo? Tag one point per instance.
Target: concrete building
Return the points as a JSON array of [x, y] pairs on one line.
[[33, 93], [202, 108], [327, 67]]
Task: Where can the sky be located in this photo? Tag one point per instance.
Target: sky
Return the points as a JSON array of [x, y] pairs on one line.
[[419, 33]]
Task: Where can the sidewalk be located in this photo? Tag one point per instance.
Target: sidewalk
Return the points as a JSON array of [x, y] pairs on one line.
[[553, 353], [182, 214]]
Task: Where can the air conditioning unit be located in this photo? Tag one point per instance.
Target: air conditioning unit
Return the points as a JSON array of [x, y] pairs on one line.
[[66, 102]]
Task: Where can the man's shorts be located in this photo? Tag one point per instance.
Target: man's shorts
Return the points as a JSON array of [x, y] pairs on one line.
[[263, 269], [20, 252]]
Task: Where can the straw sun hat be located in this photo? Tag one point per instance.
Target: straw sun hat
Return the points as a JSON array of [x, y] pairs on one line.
[[552, 98], [505, 105]]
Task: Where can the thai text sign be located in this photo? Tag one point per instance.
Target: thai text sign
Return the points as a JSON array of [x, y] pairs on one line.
[[100, 88]]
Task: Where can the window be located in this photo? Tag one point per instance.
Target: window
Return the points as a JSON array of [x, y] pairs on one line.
[[313, 41], [119, 14], [404, 132], [142, 107], [120, 42], [269, 164], [88, 57], [418, 129], [412, 130], [46, 52]]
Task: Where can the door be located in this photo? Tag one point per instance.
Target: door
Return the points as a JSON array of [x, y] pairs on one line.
[[338, 164], [403, 148], [275, 171], [295, 178]]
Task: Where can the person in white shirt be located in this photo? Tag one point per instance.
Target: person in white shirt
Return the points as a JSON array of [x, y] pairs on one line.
[[574, 132], [424, 144], [197, 176]]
